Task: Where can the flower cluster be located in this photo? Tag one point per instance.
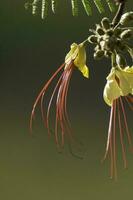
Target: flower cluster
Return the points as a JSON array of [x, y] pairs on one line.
[[111, 41], [118, 91]]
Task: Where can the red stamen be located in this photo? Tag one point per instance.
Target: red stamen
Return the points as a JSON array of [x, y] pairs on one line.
[[50, 102], [121, 136], [126, 125], [64, 100], [130, 98], [129, 102], [111, 158], [114, 139], [109, 132], [42, 93], [60, 101]]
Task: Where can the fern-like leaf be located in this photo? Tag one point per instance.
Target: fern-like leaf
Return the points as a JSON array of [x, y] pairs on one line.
[[99, 6], [54, 4], [75, 8], [35, 7], [111, 5], [45, 5], [87, 7]]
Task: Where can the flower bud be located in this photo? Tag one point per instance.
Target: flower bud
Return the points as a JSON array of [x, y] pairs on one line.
[[127, 34], [99, 30], [126, 18], [105, 23], [92, 39]]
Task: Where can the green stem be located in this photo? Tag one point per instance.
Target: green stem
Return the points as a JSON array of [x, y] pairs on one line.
[[119, 13], [113, 60]]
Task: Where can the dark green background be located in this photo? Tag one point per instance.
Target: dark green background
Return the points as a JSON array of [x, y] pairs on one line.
[[31, 168]]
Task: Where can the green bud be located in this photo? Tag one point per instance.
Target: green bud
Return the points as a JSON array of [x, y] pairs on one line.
[[98, 54], [127, 34], [126, 18], [92, 39], [105, 23], [99, 30], [120, 60]]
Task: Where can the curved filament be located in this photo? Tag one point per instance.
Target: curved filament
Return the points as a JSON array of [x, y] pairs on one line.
[[42, 92], [126, 124], [117, 109], [121, 136], [61, 92]]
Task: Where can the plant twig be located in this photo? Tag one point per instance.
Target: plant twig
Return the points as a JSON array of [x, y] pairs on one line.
[[119, 12]]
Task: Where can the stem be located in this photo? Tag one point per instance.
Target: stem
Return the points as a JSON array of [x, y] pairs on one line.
[[113, 60], [119, 13]]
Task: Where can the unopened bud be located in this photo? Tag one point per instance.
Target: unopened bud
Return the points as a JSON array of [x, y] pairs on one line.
[[127, 34], [105, 23], [99, 30], [126, 18], [92, 39]]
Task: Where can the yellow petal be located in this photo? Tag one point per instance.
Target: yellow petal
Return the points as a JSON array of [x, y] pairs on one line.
[[111, 91], [128, 74], [121, 87], [85, 71], [80, 60], [111, 74], [71, 55], [125, 80]]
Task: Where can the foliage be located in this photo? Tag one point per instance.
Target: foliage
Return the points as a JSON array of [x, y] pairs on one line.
[[42, 7]]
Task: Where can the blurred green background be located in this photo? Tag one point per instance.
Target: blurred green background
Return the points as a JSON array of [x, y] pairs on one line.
[[31, 168]]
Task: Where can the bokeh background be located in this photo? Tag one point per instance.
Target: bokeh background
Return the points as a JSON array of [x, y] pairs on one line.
[[31, 167]]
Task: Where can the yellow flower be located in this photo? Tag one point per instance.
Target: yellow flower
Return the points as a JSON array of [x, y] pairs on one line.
[[77, 55], [119, 83]]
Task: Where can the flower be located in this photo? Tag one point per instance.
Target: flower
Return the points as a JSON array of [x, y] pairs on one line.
[[78, 55], [118, 91], [76, 58], [119, 83]]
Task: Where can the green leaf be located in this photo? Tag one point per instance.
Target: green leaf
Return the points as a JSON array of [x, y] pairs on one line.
[[35, 7], [54, 4], [45, 5], [99, 6], [75, 8], [87, 7], [111, 5]]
